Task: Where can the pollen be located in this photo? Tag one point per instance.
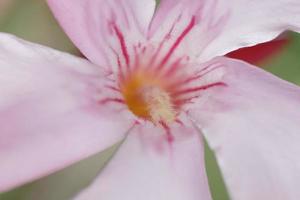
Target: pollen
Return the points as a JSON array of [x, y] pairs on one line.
[[147, 98], [159, 105]]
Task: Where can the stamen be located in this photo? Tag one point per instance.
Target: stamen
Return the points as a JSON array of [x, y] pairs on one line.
[[159, 105]]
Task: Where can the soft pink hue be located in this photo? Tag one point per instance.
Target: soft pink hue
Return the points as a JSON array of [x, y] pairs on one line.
[[49, 114], [56, 109], [90, 24], [253, 127], [226, 25], [147, 167]]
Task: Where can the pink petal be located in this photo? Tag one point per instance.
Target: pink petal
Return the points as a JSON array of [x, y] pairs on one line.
[[177, 26], [147, 166], [168, 10], [104, 30], [223, 26], [253, 126], [49, 117], [263, 52], [252, 22]]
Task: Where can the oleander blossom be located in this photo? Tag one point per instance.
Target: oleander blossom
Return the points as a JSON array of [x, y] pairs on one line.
[[156, 80]]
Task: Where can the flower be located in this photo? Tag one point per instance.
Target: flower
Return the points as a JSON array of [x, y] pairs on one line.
[[156, 82]]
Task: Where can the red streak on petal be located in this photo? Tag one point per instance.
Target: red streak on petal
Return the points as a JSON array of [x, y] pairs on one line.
[[113, 88], [180, 102], [178, 121], [109, 100], [165, 39], [198, 75], [195, 89], [121, 73], [173, 68], [170, 137], [123, 45], [178, 41]]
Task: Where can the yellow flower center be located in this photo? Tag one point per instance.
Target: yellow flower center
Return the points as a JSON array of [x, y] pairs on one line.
[[147, 97]]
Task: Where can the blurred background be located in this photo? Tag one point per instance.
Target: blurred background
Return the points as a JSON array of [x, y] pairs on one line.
[[31, 20]]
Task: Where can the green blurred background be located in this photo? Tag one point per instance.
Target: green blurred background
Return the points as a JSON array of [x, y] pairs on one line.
[[31, 20]]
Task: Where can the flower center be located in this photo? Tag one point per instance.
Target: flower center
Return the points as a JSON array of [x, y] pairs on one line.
[[147, 97], [153, 81]]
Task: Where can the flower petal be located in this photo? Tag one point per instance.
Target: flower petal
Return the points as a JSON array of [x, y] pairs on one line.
[[262, 52], [253, 126], [222, 26], [147, 166], [104, 30], [49, 117], [176, 28], [253, 22]]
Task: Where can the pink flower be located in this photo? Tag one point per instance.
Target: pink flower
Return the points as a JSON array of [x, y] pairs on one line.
[[155, 85]]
